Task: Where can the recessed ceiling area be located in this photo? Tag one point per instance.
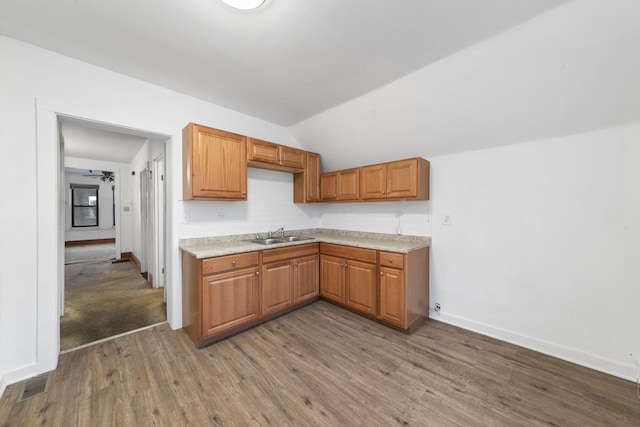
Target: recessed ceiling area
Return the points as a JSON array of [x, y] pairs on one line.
[[283, 62], [95, 141]]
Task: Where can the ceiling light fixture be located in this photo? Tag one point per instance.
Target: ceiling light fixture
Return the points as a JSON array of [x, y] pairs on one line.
[[244, 4]]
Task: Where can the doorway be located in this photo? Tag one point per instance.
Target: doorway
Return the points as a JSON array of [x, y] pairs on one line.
[[112, 294]]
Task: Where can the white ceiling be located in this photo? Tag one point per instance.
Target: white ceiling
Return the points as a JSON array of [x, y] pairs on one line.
[[284, 62], [94, 141]]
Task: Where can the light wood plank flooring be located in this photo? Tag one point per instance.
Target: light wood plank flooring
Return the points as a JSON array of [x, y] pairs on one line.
[[322, 366]]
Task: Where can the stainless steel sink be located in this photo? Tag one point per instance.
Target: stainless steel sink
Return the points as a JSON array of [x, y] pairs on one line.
[[268, 241], [295, 238], [274, 240]]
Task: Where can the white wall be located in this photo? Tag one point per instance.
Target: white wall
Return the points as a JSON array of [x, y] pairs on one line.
[[543, 246], [35, 85], [544, 232]]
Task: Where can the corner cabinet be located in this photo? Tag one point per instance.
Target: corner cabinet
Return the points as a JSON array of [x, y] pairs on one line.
[[214, 164], [289, 276], [348, 277], [399, 180], [306, 184], [340, 186]]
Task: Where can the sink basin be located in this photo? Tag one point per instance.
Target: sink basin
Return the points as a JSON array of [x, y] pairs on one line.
[[274, 240], [295, 238], [268, 241]]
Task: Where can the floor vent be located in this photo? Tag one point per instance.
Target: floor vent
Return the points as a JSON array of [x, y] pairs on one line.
[[34, 386], [118, 261]]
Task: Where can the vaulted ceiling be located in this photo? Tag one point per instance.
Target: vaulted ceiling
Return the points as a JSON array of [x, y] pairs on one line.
[[284, 62]]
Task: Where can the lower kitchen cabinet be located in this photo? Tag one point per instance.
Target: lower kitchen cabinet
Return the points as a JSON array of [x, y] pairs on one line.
[[230, 299], [348, 277], [404, 288], [289, 276], [224, 295], [388, 286], [219, 295]]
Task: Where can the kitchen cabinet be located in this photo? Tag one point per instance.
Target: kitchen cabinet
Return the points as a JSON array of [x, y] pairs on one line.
[[306, 184], [268, 155], [289, 276], [214, 164], [219, 294], [398, 180], [341, 185], [404, 288], [348, 277]]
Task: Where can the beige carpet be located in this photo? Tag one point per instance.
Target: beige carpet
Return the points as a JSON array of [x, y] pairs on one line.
[[103, 299]]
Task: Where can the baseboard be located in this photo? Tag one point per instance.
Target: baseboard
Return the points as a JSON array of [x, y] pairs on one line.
[[3, 386], [132, 257], [88, 242], [18, 375], [568, 354]]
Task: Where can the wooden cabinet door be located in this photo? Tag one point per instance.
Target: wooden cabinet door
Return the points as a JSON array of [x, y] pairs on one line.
[[292, 157], [329, 186], [229, 299], [263, 151], [216, 164], [402, 179], [277, 286], [306, 281], [349, 184], [306, 184], [392, 296], [373, 182], [332, 278], [361, 289]]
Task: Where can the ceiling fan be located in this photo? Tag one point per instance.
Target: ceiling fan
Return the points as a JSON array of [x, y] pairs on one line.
[[104, 176]]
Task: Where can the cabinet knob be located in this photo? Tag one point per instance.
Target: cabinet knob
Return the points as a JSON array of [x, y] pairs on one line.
[[383, 192], [233, 263], [257, 273], [244, 193], [382, 273], [390, 260]]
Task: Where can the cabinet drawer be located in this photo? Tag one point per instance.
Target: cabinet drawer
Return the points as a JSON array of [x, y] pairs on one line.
[[229, 262], [391, 259], [361, 254], [272, 255]]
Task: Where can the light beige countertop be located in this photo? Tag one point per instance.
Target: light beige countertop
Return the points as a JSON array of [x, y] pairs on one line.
[[208, 247]]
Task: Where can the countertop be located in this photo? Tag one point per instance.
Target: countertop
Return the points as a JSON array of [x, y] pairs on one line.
[[208, 247]]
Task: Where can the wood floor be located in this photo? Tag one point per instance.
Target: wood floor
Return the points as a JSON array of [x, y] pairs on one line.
[[322, 366]]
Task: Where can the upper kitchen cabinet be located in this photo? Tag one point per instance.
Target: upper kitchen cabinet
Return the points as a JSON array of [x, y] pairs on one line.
[[306, 184], [214, 164], [268, 155], [399, 180], [340, 186]]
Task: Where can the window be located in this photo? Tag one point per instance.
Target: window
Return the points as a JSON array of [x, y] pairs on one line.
[[84, 205]]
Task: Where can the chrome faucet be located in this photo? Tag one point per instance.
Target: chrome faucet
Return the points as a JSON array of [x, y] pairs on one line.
[[279, 230]]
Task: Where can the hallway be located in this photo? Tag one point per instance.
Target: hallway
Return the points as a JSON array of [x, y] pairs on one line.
[[105, 297]]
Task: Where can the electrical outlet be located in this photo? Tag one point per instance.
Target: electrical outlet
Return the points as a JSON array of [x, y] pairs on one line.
[[437, 307], [447, 219]]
